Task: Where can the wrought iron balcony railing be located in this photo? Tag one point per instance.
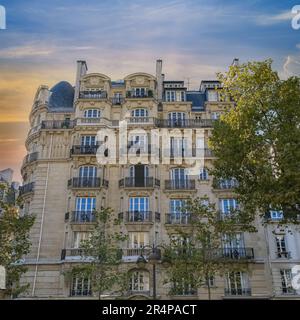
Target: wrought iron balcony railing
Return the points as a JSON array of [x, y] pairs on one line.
[[178, 218], [92, 182], [283, 254], [117, 100], [184, 123], [31, 157], [185, 184], [139, 216], [147, 182], [225, 184], [93, 95], [83, 217], [133, 95], [27, 188], [58, 124], [237, 292], [84, 149]]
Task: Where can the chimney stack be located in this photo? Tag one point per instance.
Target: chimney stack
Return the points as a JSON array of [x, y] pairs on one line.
[[81, 71], [159, 79]]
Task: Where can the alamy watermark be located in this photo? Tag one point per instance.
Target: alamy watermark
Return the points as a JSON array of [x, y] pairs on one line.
[[2, 18], [296, 18]]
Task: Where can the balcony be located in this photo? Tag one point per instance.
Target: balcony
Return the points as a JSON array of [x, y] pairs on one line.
[[139, 216], [84, 149], [178, 218], [92, 182], [58, 124], [148, 182], [117, 100], [132, 252], [185, 184], [97, 95], [145, 95], [235, 253], [83, 217], [27, 188], [184, 123], [237, 292], [31, 157], [71, 253], [283, 254], [225, 184], [140, 120]]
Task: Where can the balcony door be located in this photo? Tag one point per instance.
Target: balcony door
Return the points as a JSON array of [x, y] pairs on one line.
[[88, 172], [138, 175], [178, 147], [233, 244], [237, 283], [179, 178], [178, 214], [176, 119], [138, 240]]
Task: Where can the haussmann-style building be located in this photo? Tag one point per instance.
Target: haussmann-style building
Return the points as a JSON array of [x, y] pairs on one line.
[[63, 183]]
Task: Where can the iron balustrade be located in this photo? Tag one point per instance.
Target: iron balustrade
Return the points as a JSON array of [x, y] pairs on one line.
[[83, 217], [139, 216], [237, 292], [225, 184], [27, 188], [31, 157], [87, 182], [283, 254], [93, 95], [117, 100], [131, 182], [184, 123], [178, 218], [58, 124], [133, 95], [84, 149], [184, 184]]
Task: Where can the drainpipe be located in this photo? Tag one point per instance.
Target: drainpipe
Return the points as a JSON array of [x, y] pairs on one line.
[[42, 219]]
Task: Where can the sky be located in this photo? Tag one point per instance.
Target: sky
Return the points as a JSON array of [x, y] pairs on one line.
[[195, 40]]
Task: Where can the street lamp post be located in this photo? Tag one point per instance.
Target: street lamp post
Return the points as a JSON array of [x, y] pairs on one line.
[[153, 258]]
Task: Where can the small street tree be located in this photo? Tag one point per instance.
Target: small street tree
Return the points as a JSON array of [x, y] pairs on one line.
[[101, 255], [198, 254], [14, 241], [257, 139]]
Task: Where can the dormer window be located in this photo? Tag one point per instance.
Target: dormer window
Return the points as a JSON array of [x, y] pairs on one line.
[[92, 113]]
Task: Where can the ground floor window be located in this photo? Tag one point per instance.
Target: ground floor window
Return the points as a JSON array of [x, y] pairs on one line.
[[81, 286]]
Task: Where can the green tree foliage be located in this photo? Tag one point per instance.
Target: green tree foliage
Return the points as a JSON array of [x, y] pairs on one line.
[[101, 255], [198, 255], [14, 242], [257, 139]]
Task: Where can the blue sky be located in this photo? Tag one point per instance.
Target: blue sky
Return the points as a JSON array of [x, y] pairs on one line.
[[195, 39]]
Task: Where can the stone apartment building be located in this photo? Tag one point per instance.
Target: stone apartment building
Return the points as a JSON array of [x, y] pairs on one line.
[[64, 183]]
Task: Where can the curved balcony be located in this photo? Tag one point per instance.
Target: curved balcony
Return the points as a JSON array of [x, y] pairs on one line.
[[93, 182], [29, 158], [139, 216], [148, 182], [58, 124], [185, 184], [27, 188]]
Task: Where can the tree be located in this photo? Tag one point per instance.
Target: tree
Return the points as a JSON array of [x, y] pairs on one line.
[[14, 241], [257, 139], [101, 255], [198, 254]]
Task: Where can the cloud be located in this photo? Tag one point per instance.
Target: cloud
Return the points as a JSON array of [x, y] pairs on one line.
[[272, 19], [291, 66]]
